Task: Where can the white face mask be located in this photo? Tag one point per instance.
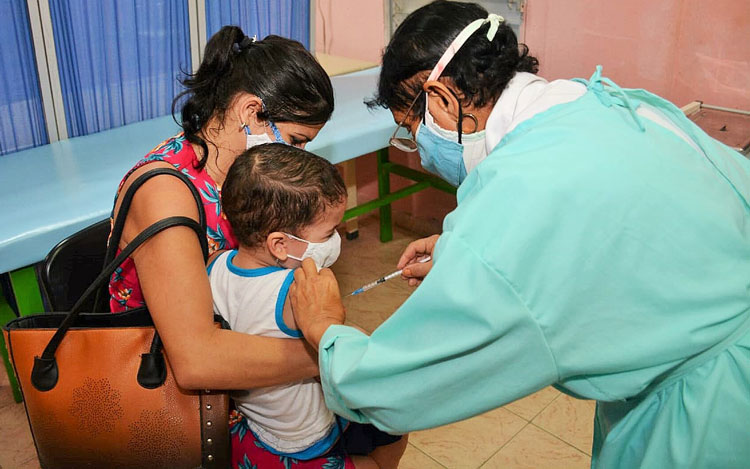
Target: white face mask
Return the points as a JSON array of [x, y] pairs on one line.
[[256, 139], [323, 254], [474, 148], [252, 140]]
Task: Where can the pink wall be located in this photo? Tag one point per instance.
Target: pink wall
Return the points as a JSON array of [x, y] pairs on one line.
[[350, 28], [682, 50]]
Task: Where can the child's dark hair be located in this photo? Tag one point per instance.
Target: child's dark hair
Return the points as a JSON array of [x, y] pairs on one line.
[[291, 83], [481, 69], [277, 187]]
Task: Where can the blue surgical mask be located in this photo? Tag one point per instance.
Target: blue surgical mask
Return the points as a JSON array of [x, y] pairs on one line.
[[440, 155], [446, 153]]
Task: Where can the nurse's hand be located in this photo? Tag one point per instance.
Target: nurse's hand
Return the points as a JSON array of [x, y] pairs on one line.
[[316, 301], [414, 272]]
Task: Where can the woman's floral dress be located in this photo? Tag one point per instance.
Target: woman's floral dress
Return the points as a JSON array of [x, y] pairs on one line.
[[124, 289]]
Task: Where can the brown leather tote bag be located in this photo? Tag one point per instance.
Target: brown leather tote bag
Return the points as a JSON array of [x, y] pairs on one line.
[[98, 389]]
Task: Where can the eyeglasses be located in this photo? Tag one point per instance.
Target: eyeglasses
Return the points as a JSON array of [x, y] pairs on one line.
[[407, 144]]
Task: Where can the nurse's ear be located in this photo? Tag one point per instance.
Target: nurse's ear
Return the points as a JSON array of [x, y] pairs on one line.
[[442, 104]]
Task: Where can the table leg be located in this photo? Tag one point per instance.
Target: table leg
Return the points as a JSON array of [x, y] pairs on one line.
[[384, 188], [26, 291], [350, 179], [28, 301]]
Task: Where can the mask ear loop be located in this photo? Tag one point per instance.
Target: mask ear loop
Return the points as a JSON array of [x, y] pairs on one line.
[[459, 123], [460, 120], [275, 130]]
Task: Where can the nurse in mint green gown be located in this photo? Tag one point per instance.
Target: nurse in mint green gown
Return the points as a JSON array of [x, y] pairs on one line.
[[601, 244]]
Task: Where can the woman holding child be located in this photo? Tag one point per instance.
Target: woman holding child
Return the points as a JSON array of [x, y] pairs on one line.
[[244, 94]]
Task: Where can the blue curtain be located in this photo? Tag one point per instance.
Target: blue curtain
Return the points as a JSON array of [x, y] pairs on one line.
[[21, 115], [287, 18], [119, 60]]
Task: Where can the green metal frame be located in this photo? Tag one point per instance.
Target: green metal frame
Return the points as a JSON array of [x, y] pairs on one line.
[[29, 301], [386, 197]]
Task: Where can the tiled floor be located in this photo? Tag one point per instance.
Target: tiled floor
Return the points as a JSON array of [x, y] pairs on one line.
[[545, 430]]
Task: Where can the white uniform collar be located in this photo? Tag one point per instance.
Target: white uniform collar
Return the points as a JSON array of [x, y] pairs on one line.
[[522, 89], [525, 96]]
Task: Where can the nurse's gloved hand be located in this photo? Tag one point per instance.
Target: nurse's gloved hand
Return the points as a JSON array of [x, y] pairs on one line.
[[414, 272], [316, 301]]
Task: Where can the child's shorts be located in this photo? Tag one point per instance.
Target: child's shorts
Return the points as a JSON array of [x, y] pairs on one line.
[[357, 439]]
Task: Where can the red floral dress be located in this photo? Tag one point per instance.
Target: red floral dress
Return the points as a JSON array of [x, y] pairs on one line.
[[124, 289]]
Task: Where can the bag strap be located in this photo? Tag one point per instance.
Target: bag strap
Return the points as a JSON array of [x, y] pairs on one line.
[[127, 199], [44, 375]]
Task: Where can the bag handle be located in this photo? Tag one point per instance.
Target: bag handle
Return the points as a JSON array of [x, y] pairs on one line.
[[44, 374], [152, 371], [127, 199]]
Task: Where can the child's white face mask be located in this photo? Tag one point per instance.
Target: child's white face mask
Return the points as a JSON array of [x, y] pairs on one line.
[[323, 254]]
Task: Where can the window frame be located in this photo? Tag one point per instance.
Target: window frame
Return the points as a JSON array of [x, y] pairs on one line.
[[42, 36]]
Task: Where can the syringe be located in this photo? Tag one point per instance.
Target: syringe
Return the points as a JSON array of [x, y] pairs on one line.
[[384, 279]]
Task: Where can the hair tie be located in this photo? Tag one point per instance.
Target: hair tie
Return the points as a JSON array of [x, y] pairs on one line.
[[243, 44]]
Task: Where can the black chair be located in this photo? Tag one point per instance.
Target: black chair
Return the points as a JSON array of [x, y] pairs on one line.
[[71, 266]]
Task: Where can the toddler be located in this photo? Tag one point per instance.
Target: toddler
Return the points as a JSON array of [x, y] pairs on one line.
[[284, 205]]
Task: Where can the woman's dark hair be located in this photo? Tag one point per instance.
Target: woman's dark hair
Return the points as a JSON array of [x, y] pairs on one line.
[[291, 83], [481, 69], [277, 187]]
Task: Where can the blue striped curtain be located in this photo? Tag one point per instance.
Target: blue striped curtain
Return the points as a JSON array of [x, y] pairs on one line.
[[287, 18], [119, 59], [21, 115]]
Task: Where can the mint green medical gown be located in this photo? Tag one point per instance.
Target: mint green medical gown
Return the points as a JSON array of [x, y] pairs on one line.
[[610, 261]]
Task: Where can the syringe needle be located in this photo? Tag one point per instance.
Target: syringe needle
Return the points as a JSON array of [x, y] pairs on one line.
[[384, 279]]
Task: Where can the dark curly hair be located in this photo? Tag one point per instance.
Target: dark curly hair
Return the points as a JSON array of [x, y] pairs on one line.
[[481, 69], [277, 187], [291, 83]]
